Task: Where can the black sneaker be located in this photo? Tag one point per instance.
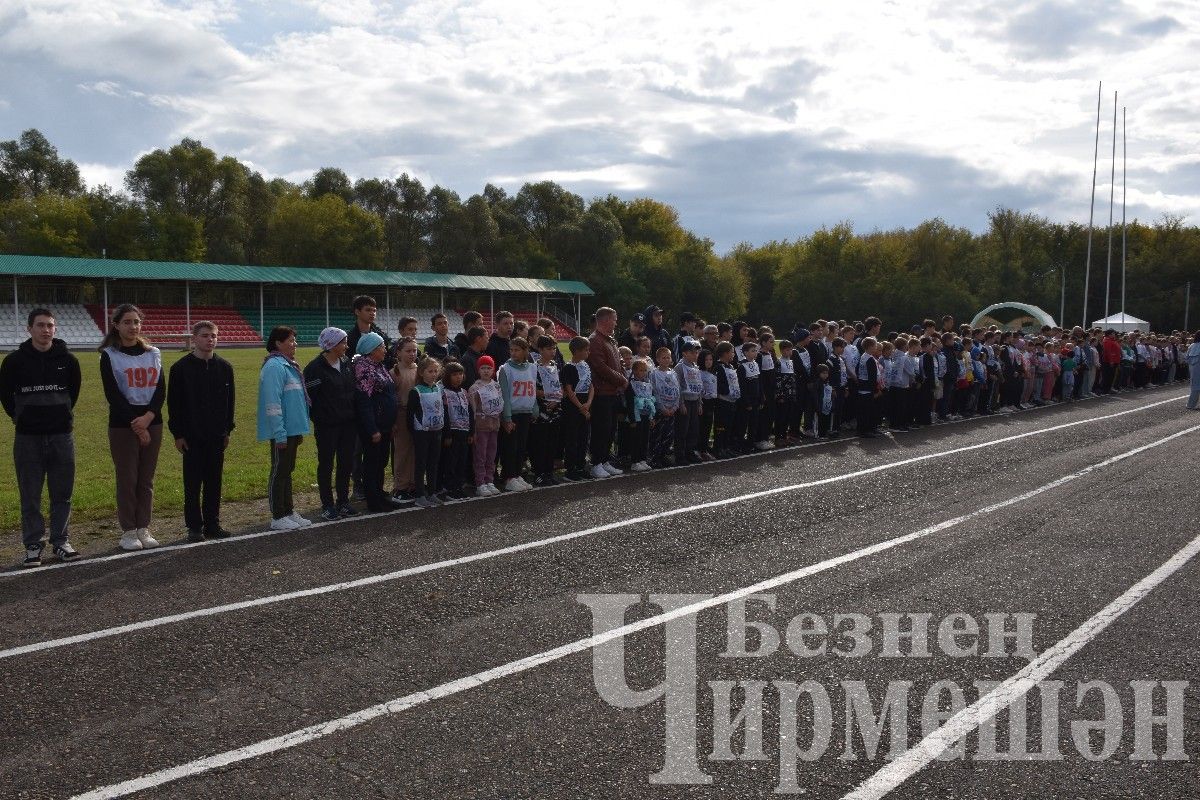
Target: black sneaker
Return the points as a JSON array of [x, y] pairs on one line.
[[574, 476], [33, 556], [216, 532], [195, 535], [347, 510], [360, 494], [65, 552], [330, 514]]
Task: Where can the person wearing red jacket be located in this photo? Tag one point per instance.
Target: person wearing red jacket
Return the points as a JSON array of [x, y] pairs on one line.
[[1110, 360]]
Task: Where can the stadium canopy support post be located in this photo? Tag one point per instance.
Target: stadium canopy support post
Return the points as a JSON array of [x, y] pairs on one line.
[[262, 323], [493, 306], [106, 300], [579, 314], [442, 300], [16, 310], [187, 303], [326, 305], [387, 296]]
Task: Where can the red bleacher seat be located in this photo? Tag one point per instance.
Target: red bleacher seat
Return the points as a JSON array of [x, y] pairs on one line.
[[172, 321]]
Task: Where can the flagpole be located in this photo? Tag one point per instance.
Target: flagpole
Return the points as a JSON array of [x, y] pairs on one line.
[[1087, 274], [1112, 189], [1124, 164]]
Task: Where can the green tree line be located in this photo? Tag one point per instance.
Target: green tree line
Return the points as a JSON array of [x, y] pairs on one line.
[[187, 203]]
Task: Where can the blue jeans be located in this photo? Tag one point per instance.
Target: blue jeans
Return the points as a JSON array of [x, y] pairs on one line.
[[44, 460]]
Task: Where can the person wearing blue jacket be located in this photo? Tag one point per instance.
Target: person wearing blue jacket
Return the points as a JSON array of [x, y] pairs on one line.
[[282, 421]]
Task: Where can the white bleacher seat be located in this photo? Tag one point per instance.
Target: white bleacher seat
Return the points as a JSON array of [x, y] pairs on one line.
[[75, 325]]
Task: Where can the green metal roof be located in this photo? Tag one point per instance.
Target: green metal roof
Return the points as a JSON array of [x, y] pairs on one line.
[[56, 266]]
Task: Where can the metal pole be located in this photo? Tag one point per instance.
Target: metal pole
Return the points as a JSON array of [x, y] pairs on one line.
[[187, 303], [1187, 303], [262, 320], [1112, 188], [1095, 159], [492, 318], [16, 311], [1062, 303], [1124, 163], [442, 299], [326, 305], [105, 317]]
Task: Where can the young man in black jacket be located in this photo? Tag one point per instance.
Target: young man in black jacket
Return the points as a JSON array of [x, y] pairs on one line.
[[39, 385], [200, 418]]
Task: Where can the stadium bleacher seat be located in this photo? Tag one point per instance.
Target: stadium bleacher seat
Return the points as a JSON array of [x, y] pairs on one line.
[[308, 322], [164, 324], [75, 326]]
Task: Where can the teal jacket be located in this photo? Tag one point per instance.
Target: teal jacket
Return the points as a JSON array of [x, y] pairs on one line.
[[282, 402]]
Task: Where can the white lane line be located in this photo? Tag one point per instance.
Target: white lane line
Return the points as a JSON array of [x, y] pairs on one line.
[[177, 547], [1016, 686], [323, 729], [407, 572]]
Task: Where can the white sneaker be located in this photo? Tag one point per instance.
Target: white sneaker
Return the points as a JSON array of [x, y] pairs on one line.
[[641, 466], [148, 541], [524, 483], [612, 469], [493, 490], [764, 445], [284, 524], [599, 471], [516, 485], [130, 541], [482, 490], [301, 522]]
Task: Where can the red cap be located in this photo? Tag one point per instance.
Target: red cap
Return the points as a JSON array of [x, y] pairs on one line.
[[485, 361]]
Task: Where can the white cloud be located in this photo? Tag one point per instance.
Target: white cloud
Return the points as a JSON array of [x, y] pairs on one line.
[[634, 97], [103, 174]]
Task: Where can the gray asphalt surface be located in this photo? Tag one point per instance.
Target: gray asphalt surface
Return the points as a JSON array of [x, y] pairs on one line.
[[101, 712]]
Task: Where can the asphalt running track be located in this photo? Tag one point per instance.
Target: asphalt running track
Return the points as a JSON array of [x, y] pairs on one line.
[[468, 618]]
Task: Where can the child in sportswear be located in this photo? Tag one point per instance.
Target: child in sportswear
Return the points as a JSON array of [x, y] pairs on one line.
[[426, 417], [576, 378], [486, 407], [518, 382]]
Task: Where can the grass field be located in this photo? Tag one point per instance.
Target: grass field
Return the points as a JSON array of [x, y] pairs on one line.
[[247, 462]]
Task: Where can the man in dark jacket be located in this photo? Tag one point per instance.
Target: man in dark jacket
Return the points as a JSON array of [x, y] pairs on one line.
[[39, 384], [497, 346], [476, 339], [365, 311], [200, 418], [635, 331], [655, 330], [440, 345]]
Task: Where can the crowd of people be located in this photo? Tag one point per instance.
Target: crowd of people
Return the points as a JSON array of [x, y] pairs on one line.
[[477, 414]]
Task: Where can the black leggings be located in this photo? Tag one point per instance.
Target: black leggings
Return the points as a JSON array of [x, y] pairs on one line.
[[427, 451], [514, 446]]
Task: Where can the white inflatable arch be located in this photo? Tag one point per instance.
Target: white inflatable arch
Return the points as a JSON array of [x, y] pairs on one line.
[[1036, 313]]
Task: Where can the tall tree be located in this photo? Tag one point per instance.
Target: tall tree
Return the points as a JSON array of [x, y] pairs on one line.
[[30, 166]]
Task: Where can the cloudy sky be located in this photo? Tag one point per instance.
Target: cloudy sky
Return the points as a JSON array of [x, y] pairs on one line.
[[756, 120]]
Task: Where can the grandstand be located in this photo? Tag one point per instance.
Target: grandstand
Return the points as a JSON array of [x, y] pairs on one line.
[[75, 325], [174, 294]]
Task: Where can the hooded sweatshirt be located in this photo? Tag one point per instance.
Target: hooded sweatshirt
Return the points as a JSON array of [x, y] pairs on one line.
[[38, 390], [518, 388]]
